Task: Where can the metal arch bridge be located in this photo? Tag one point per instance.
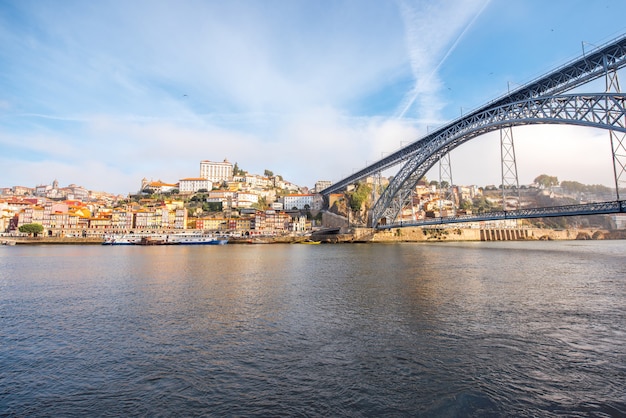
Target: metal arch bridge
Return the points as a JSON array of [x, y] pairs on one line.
[[539, 102]]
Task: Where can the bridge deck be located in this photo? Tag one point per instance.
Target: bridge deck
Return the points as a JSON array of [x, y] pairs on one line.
[[600, 208]]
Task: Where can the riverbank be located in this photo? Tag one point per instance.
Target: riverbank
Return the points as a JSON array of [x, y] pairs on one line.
[[368, 235]]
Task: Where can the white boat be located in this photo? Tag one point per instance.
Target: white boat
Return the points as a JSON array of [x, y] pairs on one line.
[[121, 239], [181, 238], [190, 238]]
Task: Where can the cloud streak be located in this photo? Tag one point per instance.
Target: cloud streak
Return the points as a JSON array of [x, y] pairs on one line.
[[433, 31]]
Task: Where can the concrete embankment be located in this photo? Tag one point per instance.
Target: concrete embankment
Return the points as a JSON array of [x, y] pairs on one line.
[[492, 234]]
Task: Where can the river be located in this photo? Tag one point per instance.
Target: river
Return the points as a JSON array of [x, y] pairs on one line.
[[413, 329]]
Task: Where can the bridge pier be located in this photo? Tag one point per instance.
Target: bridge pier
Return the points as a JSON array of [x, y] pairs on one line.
[[504, 234]]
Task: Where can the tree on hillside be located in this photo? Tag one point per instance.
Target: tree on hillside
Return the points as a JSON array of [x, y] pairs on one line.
[[546, 180], [212, 206], [575, 186], [359, 196], [268, 173], [238, 171], [480, 204], [33, 229], [261, 204]]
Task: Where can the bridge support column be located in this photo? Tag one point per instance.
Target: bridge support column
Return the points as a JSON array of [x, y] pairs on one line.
[[445, 175], [618, 139], [509, 166]]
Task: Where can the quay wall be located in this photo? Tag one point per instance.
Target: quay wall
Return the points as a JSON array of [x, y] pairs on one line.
[[417, 234]]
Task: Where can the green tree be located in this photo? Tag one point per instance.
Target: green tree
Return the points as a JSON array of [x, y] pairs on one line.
[[466, 204], [546, 180], [268, 173], [212, 206], [358, 196], [481, 205], [33, 229], [238, 171]]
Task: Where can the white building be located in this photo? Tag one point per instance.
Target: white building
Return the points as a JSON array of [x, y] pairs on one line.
[[216, 172], [192, 185], [230, 199], [299, 201], [245, 200]]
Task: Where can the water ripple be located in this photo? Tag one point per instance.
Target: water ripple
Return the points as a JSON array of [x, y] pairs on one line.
[[501, 329]]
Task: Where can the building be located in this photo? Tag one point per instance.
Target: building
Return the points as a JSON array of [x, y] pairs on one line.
[[22, 191], [192, 185], [156, 186], [619, 220], [216, 172], [297, 201], [245, 200], [121, 219], [321, 185], [302, 201], [230, 199]]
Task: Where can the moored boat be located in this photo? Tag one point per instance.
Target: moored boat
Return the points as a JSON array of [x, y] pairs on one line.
[[182, 238], [121, 239], [196, 239]]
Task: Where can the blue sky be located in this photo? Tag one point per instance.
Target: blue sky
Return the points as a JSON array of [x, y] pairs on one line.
[[102, 94]]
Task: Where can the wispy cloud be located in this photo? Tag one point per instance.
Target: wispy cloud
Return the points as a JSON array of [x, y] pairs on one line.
[[433, 30]]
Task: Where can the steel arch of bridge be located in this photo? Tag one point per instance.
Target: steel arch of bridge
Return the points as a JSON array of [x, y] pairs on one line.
[[602, 110]]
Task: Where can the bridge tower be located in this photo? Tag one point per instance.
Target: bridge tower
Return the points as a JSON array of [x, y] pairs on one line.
[[618, 139], [445, 175], [377, 186], [510, 182]]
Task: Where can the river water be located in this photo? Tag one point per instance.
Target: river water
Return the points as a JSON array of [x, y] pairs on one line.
[[467, 329]]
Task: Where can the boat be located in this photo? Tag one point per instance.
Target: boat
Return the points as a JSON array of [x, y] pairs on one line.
[[182, 238], [121, 239], [152, 241], [326, 231], [310, 242], [185, 238]]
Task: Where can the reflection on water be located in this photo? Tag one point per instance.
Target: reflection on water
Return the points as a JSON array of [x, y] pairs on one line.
[[471, 329]]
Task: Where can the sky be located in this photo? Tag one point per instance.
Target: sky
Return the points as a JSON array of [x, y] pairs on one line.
[[102, 94]]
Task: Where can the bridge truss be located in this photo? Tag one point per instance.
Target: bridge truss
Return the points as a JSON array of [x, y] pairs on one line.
[[600, 110], [539, 102], [599, 208]]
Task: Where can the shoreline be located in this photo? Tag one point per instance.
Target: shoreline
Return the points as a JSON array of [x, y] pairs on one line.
[[367, 235]]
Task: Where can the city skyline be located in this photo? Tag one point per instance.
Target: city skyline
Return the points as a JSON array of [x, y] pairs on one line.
[[106, 94]]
